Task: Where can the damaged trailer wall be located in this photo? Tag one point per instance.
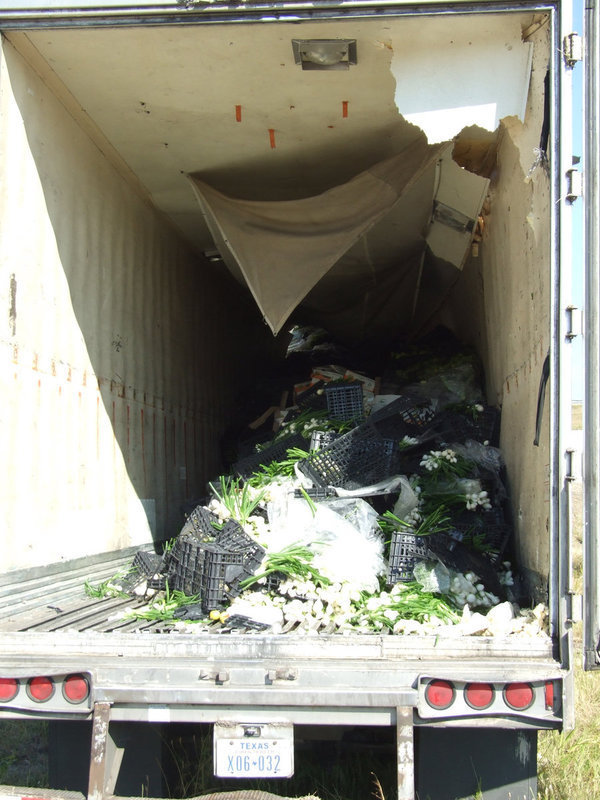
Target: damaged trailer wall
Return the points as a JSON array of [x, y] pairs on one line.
[[501, 305], [138, 333], [117, 344]]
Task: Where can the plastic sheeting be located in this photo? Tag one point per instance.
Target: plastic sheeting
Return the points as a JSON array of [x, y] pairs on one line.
[[284, 248]]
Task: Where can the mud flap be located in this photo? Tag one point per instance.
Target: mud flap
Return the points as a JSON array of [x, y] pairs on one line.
[[463, 763]]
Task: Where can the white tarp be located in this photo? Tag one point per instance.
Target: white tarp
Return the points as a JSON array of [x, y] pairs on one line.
[[284, 248]]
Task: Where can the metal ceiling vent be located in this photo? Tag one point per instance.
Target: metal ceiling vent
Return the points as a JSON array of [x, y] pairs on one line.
[[324, 53]]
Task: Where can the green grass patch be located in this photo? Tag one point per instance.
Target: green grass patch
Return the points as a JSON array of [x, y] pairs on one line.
[[24, 753], [568, 763]]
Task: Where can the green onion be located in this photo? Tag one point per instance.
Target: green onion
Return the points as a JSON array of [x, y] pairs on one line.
[[435, 522], [163, 606], [311, 503], [411, 603], [292, 562], [235, 499], [109, 587], [276, 469]]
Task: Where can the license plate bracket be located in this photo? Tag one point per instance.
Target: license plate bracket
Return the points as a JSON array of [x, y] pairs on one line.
[[253, 750]]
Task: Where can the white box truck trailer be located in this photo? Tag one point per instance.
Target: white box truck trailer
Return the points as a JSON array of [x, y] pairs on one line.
[[431, 145]]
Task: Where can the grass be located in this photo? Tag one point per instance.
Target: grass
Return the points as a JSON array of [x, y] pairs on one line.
[[568, 764], [23, 753]]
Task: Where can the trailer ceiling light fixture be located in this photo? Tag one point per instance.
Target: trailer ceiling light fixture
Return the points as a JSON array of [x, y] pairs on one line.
[[324, 53]]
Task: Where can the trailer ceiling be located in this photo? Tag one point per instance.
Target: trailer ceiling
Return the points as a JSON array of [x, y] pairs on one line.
[[229, 104]]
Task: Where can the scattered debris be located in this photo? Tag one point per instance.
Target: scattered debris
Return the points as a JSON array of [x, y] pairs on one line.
[[376, 505]]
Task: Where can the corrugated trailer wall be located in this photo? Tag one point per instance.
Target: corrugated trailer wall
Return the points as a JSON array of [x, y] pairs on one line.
[[502, 306], [120, 354]]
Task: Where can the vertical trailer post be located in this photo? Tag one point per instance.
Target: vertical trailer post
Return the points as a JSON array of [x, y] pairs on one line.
[[591, 403], [405, 753], [105, 758]]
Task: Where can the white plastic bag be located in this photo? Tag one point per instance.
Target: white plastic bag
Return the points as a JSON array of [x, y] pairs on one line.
[[386, 486], [407, 501], [342, 533], [349, 544]]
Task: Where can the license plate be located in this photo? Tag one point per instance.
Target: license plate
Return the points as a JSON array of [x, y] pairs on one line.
[[243, 750]]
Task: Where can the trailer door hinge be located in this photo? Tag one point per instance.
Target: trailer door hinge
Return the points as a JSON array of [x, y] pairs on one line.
[[573, 322], [572, 49], [574, 184], [574, 607], [570, 473]]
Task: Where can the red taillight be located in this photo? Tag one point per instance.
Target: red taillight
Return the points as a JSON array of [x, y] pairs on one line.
[[76, 689], [518, 696], [8, 689], [549, 695], [440, 694], [40, 689], [479, 695]]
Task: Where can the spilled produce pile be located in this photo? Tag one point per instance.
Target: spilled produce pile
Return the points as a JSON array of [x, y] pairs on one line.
[[372, 505]]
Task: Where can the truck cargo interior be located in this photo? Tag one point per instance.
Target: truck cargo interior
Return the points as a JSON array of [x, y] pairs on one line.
[[212, 219], [379, 201]]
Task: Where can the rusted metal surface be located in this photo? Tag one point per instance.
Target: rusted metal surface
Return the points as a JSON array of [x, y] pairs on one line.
[[405, 753], [105, 756]]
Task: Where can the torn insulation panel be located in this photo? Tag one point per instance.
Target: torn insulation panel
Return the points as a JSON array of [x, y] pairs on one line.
[[475, 74]]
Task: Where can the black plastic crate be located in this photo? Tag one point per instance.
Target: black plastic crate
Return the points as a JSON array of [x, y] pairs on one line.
[[458, 426], [277, 451], [405, 416], [212, 570], [314, 397], [359, 458], [487, 531], [146, 564], [345, 401], [316, 493], [199, 522], [222, 572], [273, 581], [157, 582], [234, 539], [144, 567], [321, 439], [406, 551], [184, 564]]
